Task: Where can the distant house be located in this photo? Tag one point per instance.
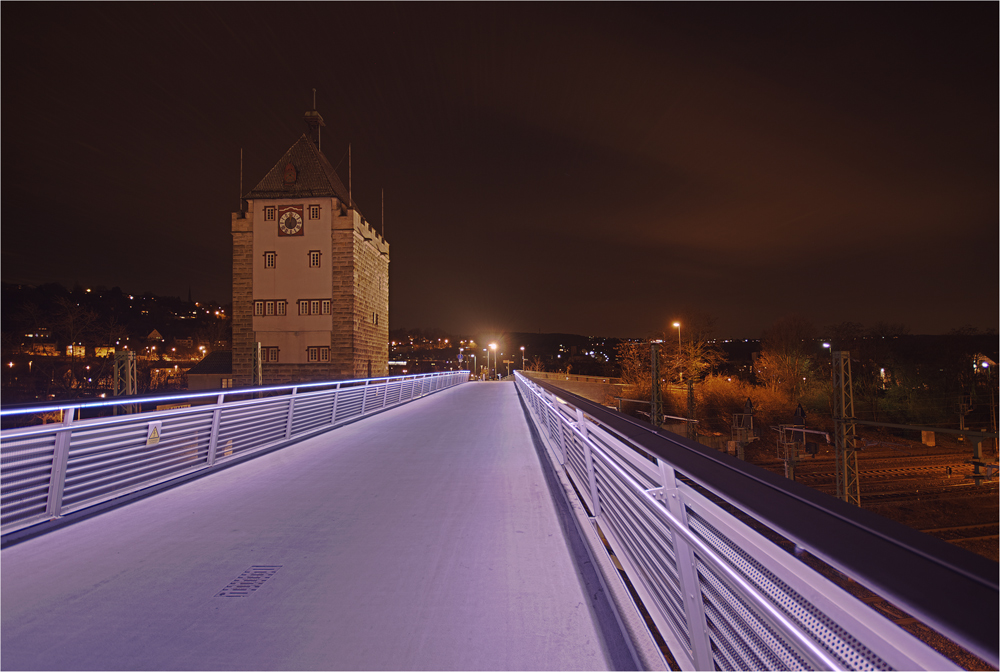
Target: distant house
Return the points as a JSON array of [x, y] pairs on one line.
[[154, 335], [215, 372]]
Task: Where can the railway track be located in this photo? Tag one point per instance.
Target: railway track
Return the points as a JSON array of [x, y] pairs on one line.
[[893, 472], [965, 532], [928, 492], [888, 481]]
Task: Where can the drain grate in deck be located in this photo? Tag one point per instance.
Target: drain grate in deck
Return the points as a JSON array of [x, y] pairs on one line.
[[249, 581]]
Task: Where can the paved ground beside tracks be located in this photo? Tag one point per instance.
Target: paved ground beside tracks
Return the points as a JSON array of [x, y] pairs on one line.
[[421, 538]]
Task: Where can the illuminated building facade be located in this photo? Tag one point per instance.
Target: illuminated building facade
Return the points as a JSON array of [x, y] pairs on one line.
[[310, 275]]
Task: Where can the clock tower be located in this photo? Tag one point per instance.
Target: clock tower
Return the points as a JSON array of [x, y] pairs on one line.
[[310, 275]]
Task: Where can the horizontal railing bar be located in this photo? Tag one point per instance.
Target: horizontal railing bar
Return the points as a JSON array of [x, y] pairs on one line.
[[89, 423], [18, 409]]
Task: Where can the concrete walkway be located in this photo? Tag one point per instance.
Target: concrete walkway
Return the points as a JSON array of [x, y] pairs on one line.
[[425, 537]]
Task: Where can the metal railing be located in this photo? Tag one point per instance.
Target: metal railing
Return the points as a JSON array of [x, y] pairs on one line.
[[51, 470], [697, 533]]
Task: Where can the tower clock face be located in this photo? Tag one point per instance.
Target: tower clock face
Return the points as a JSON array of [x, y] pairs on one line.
[[290, 220]]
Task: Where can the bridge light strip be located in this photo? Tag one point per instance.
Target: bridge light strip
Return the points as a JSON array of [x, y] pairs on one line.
[[118, 401]]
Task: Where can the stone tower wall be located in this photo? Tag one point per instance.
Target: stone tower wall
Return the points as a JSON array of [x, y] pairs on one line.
[[342, 291], [243, 335], [371, 308]]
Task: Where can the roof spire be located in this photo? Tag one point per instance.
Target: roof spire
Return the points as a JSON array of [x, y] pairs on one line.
[[314, 122]]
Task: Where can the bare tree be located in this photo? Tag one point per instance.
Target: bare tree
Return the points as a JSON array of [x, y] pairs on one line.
[[74, 325], [785, 359]]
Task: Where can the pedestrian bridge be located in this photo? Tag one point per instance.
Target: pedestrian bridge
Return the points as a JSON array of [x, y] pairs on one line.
[[427, 522]]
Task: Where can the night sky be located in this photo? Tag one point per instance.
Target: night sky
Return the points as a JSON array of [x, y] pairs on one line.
[[584, 168]]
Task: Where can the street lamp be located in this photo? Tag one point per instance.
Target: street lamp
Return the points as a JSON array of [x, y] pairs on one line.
[[493, 347], [678, 326], [522, 358]]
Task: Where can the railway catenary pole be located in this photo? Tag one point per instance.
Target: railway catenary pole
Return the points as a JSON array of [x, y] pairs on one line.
[[655, 400], [845, 440]]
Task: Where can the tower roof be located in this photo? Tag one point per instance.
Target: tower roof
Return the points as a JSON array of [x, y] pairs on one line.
[[313, 175]]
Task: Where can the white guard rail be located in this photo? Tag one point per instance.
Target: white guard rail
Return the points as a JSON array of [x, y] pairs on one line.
[[721, 595], [51, 470]]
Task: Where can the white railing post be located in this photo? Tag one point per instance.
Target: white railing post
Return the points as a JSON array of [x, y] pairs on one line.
[[364, 397], [588, 455], [687, 572], [336, 397], [213, 437], [60, 459], [291, 413]]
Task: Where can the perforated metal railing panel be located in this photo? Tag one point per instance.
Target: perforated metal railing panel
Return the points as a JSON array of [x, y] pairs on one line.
[[848, 650]]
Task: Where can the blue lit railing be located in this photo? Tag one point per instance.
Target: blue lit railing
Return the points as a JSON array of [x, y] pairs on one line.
[[50, 470], [697, 534]]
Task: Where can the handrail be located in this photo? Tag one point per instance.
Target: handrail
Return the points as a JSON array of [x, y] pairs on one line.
[[49, 471], [648, 503], [9, 410]]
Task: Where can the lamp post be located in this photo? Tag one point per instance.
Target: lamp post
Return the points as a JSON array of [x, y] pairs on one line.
[[522, 358], [679, 366], [493, 347]]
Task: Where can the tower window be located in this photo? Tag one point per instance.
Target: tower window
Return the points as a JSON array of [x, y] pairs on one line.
[[318, 354], [270, 259], [314, 256], [258, 307], [269, 307], [269, 212], [281, 307], [314, 306], [313, 212], [269, 354]]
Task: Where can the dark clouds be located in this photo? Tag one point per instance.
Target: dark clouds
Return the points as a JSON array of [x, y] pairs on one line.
[[592, 168]]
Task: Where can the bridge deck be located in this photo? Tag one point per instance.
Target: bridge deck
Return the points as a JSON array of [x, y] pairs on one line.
[[425, 537]]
